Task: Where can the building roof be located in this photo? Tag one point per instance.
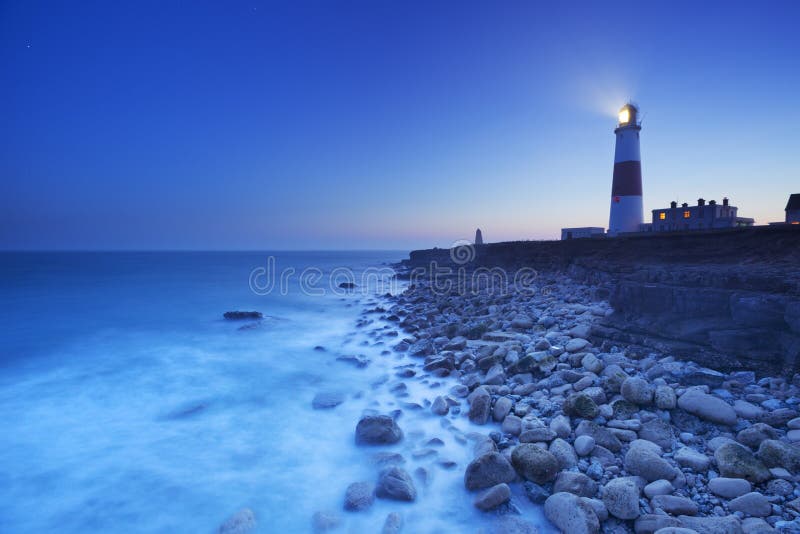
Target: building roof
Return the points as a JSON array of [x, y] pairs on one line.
[[794, 202]]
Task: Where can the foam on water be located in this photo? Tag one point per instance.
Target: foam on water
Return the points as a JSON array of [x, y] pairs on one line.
[[132, 407]]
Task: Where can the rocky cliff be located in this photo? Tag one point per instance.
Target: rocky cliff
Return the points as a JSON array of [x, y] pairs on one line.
[[727, 298]]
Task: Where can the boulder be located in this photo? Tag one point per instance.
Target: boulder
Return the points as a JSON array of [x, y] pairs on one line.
[[377, 430], [696, 461], [659, 487], [535, 435], [534, 463], [707, 407], [576, 345], [753, 435], [359, 496], [644, 458], [752, 503], [575, 483], [502, 407], [580, 405], [570, 514], [712, 525], [735, 461], [440, 406], [394, 483], [650, 523], [564, 453], [665, 398], [659, 432], [488, 470], [674, 505], [621, 497], [325, 521], [242, 315], [493, 497], [584, 445], [776, 453], [637, 391], [729, 488], [600, 434], [326, 400], [480, 404]]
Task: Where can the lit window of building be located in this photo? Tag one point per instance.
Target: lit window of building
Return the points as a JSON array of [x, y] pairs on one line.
[[662, 215], [687, 214]]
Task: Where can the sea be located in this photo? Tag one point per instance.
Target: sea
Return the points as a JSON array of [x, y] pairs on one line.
[[128, 403]]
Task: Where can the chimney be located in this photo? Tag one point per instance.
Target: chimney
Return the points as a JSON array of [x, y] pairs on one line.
[[673, 204], [725, 201], [712, 202], [701, 202], [684, 205]]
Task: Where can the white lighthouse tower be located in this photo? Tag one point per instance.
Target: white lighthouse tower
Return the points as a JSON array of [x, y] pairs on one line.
[[626, 192]]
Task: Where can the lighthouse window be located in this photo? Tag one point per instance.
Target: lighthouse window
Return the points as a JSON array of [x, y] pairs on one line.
[[662, 216], [687, 214]]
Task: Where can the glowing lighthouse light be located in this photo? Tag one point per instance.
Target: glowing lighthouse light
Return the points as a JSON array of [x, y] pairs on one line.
[[626, 191]]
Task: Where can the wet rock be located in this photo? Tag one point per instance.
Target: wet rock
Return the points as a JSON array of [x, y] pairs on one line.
[[729, 488], [326, 400], [440, 406], [621, 497], [674, 505], [359, 496], [752, 503], [395, 483], [509, 524], [480, 406], [576, 344], [377, 430], [241, 522], [493, 497], [570, 514], [241, 315], [393, 524], [502, 407], [522, 322], [488, 470], [575, 483], [561, 426], [592, 363], [512, 425], [534, 464], [637, 391], [535, 435], [535, 493], [325, 521], [645, 459], [707, 407], [735, 461]]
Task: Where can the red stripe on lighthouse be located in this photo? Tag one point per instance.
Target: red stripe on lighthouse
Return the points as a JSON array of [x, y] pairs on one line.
[[627, 179]]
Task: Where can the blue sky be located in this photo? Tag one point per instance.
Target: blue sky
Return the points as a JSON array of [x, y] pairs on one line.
[[294, 125]]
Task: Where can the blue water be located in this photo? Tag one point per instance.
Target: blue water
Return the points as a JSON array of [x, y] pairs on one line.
[[129, 405]]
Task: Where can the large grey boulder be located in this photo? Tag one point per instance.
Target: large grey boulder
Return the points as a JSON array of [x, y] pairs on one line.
[[534, 463], [377, 430], [735, 461], [394, 483], [707, 407], [570, 514], [488, 470], [621, 497], [645, 459]]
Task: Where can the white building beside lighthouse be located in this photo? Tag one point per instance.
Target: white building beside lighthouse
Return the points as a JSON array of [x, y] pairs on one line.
[[627, 212]]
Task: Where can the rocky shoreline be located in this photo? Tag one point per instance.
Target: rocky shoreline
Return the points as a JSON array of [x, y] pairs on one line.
[[600, 437], [606, 439]]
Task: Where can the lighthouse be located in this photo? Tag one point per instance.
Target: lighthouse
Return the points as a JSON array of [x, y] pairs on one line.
[[626, 191]]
